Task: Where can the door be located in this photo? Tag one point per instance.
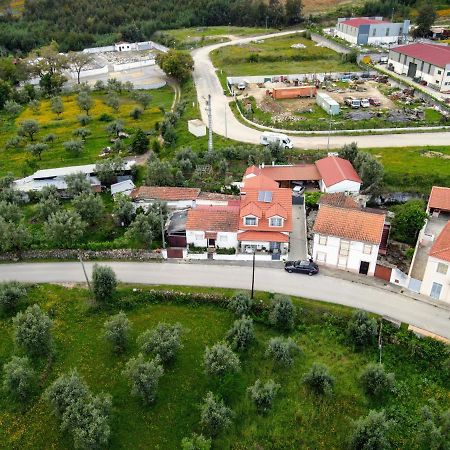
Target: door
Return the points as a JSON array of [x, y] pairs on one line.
[[364, 268], [436, 289], [211, 242], [412, 69]]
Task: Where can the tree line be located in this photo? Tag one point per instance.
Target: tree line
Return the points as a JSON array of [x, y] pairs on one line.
[[75, 25]]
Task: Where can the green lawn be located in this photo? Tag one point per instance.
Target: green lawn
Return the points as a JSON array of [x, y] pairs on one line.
[[15, 159], [298, 419], [276, 56]]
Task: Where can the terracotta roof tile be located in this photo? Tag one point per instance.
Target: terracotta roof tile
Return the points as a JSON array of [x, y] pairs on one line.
[[439, 198], [213, 218], [441, 247], [349, 224], [298, 172], [261, 182], [251, 209], [333, 170], [338, 199], [264, 236], [165, 193]]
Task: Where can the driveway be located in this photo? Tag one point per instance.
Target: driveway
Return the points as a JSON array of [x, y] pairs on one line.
[[319, 287], [297, 238], [226, 124]]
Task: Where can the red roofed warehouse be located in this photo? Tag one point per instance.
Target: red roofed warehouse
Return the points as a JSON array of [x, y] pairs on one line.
[[423, 61], [371, 31]]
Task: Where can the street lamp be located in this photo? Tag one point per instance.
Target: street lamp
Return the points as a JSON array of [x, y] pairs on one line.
[[162, 226], [329, 134]]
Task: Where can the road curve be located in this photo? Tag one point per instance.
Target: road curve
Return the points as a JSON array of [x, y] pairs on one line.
[[226, 124], [320, 287]]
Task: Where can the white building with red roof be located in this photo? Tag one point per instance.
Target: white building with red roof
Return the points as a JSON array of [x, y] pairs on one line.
[[425, 61], [338, 175], [371, 30]]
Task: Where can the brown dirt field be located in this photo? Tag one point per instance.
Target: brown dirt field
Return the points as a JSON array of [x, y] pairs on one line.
[[310, 6]]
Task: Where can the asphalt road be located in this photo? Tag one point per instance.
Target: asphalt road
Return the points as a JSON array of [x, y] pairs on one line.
[[318, 287], [225, 123]]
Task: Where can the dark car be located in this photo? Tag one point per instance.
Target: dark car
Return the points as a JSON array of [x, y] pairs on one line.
[[308, 267]]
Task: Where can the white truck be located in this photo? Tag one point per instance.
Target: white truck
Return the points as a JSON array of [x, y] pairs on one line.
[[268, 137]]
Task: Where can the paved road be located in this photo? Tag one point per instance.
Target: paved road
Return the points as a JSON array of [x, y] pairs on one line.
[[225, 124], [319, 287]]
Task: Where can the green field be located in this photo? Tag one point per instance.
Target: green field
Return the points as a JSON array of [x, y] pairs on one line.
[[14, 160], [275, 56], [298, 419]]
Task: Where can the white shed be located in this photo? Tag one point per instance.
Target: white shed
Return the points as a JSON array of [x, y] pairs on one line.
[[197, 127]]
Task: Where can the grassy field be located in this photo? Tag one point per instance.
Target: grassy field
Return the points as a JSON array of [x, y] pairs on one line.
[[15, 159], [299, 419], [275, 56]]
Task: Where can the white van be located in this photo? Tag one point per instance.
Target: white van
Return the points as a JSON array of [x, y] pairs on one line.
[[278, 138]]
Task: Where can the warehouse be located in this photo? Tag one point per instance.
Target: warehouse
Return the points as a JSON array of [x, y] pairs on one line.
[[371, 31], [424, 62]]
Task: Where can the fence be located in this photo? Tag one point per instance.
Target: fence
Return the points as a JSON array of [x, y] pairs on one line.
[[145, 45], [89, 73], [133, 65], [109, 48]]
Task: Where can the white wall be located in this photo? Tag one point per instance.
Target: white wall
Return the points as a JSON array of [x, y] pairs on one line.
[[351, 262], [346, 37], [343, 186], [431, 275], [223, 240], [133, 65]]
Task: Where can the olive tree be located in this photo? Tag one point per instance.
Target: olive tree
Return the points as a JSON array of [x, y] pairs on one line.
[[32, 331], [214, 416], [57, 106], [318, 379], [115, 127], [13, 237], [74, 146], [371, 432], [104, 283], [112, 100], [29, 128], [196, 442], [376, 382], [10, 212], [283, 313], [123, 209], [89, 206], [163, 341], [143, 98], [64, 228], [282, 351], [263, 394], [77, 183], [82, 133], [219, 360], [37, 149], [143, 227], [144, 377], [47, 206], [19, 378], [241, 304], [434, 428], [11, 292], [361, 329], [107, 170], [117, 330], [241, 334], [85, 101]]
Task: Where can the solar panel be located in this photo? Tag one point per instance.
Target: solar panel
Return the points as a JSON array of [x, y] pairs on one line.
[[265, 196]]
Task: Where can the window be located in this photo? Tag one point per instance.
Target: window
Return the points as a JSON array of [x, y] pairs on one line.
[[442, 268], [374, 32], [436, 291], [322, 240], [250, 221], [276, 222], [421, 66], [439, 72], [448, 74], [344, 249], [367, 249], [321, 256], [387, 31]]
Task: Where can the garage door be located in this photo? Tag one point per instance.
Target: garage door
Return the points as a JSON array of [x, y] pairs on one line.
[[175, 252]]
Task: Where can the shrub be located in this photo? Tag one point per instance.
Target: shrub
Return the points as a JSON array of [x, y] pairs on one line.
[[142, 229], [13, 108], [241, 333], [89, 206], [318, 379], [74, 146], [33, 331], [144, 377], [196, 442], [140, 142], [241, 304], [434, 428], [49, 138], [82, 133], [220, 359], [263, 394], [117, 330], [104, 283], [11, 292], [283, 312], [375, 381], [106, 118], [136, 113], [371, 432], [10, 211], [282, 351], [77, 183], [163, 341], [84, 119], [361, 329], [123, 209], [47, 206], [64, 228], [19, 378], [215, 416]]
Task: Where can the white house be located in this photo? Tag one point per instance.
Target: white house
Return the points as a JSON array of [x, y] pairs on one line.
[[212, 226], [174, 197], [371, 31], [347, 239], [125, 46], [338, 175], [436, 280], [429, 62]]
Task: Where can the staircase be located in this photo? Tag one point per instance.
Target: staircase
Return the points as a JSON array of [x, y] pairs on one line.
[[384, 239]]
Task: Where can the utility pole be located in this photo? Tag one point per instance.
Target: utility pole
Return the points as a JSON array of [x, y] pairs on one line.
[[329, 134], [379, 339], [85, 274], [210, 133], [162, 227], [253, 274]]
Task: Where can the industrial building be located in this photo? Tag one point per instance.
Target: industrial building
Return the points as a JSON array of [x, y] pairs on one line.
[[371, 31], [424, 62]]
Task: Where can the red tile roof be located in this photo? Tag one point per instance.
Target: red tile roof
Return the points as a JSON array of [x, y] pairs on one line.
[[338, 199], [333, 170], [297, 172], [357, 22], [351, 224], [165, 193], [213, 218], [217, 196], [261, 182], [438, 55], [251, 209], [441, 247], [439, 198], [263, 236]]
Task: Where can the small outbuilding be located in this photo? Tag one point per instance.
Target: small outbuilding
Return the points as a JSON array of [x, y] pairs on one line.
[[197, 127], [328, 104]]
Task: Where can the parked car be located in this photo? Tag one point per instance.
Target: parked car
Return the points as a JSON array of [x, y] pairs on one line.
[[242, 86], [374, 101], [354, 103], [308, 267], [365, 103], [384, 60]]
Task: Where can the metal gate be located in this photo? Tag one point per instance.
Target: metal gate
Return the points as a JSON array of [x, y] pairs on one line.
[[383, 272], [175, 252]]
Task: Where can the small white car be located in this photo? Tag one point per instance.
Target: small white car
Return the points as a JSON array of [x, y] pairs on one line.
[[365, 103], [241, 86]]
